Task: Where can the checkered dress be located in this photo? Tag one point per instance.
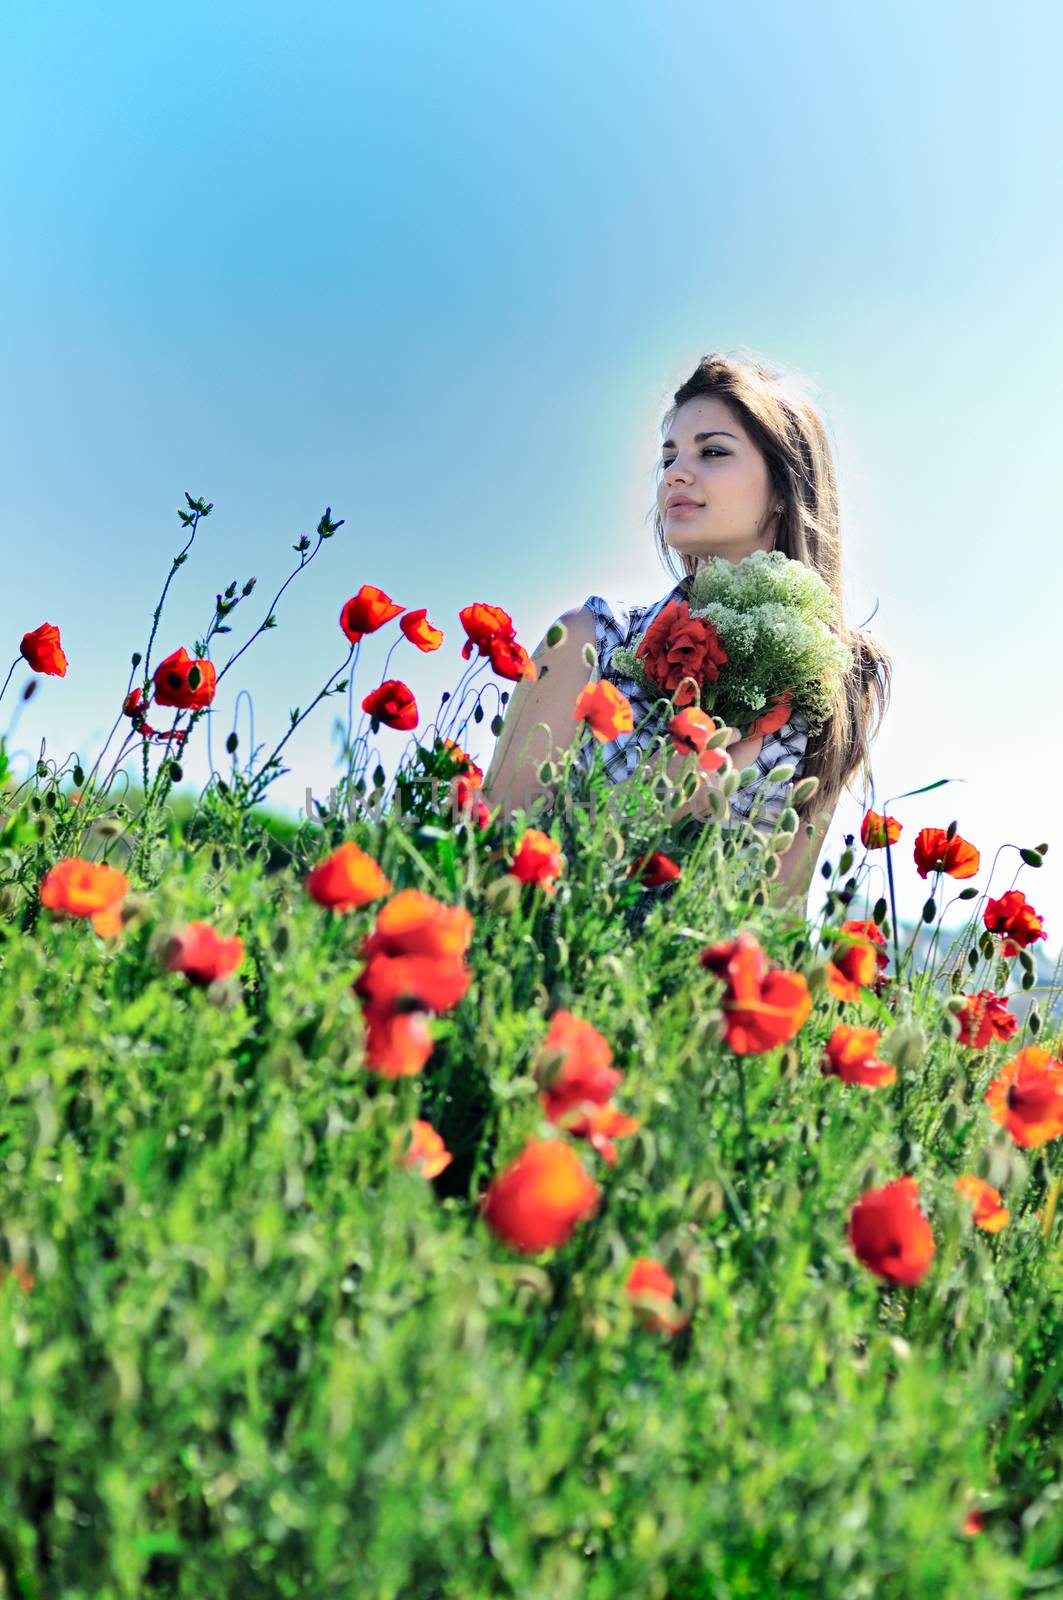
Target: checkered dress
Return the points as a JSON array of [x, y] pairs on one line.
[[618, 624]]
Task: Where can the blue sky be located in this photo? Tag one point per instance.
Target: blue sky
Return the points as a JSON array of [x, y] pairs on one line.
[[441, 269]]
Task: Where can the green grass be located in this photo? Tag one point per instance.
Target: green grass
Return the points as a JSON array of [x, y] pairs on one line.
[[259, 1358]]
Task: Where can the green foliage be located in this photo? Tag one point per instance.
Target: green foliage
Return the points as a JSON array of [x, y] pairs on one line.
[[245, 1352]]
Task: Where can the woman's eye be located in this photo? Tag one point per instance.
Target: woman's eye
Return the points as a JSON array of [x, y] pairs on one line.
[[709, 451]]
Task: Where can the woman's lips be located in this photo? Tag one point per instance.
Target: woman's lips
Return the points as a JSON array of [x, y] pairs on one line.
[[683, 505]]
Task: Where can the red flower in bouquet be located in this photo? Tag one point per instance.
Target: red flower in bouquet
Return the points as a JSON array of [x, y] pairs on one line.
[[654, 869], [417, 628], [538, 860], [677, 646], [427, 1154], [43, 651], [536, 1202], [1027, 1097], [761, 1008], [877, 830], [605, 709], [936, 852], [778, 713], [651, 1290], [986, 1017], [393, 704], [987, 1204], [203, 954], [367, 611], [889, 1233], [346, 879], [850, 1056], [1014, 916], [187, 682]]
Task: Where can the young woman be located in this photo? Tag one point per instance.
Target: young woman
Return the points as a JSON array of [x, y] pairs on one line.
[[743, 467]]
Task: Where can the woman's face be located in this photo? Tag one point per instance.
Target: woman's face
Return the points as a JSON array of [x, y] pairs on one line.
[[707, 458]]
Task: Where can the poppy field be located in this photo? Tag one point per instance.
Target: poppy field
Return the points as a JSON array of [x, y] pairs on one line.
[[424, 1202]]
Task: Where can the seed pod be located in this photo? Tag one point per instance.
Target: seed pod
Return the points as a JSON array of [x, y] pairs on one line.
[[590, 656], [805, 790], [556, 634], [789, 821], [730, 782], [782, 773]]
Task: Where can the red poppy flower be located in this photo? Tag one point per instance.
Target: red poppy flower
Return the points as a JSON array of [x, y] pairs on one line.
[[651, 1290], [427, 1154], [865, 928], [654, 869], [1013, 916], [86, 889], [573, 1065], [538, 860], [393, 704], [850, 1056], [468, 801], [761, 1008], [367, 611], [43, 651], [778, 713], [889, 1233], [678, 647], [463, 762], [605, 709], [853, 968], [936, 852], [691, 729], [877, 830], [537, 1201], [397, 1044], [1027, 1097], [973, 1523], [856, 958], [510, 660], [346, 879], [417, 628], [415, 954], [483, 624], [987, 1204], [599, 1126], [985, 1018], [185, 681], [203, 954]]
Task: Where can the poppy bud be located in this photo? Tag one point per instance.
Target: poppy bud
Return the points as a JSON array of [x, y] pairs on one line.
[[781, 774], [503, 895], [590, 656], [805, 790], [555, 635], [905, 1046]]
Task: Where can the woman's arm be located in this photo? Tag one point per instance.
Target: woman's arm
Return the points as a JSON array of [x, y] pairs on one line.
[[512, 779], [797, 864]]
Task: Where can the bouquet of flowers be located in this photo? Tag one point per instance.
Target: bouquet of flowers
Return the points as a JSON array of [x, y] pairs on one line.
[[753, 644]]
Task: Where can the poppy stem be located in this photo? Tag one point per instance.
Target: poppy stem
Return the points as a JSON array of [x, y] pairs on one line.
[[11, 669], [747, 1171], [893, 916]]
